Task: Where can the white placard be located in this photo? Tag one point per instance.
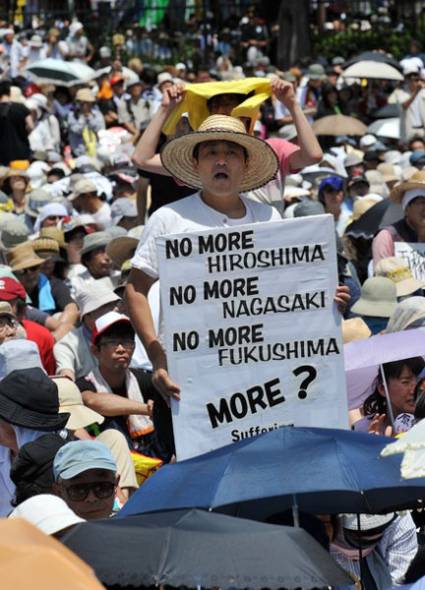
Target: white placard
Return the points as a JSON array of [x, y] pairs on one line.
[[414, 254], [251, 331]]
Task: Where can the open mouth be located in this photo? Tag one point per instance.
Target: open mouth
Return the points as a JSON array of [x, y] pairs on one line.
[[221, 175]]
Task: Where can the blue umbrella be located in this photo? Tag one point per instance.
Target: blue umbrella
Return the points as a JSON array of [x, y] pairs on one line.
[[320, 470]]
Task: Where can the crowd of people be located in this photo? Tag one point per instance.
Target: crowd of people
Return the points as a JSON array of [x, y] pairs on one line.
[[93, 172]]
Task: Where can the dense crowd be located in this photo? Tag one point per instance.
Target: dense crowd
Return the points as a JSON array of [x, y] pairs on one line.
[[94, 169]]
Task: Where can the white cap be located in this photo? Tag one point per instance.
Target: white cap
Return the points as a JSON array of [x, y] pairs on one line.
[[368, 522], [164, 77], [367, 140], [106, 321], [180, 66], [49, 513]]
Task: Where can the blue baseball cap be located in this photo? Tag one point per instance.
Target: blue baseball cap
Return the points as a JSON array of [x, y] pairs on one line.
[[334, 183], [81, 455]]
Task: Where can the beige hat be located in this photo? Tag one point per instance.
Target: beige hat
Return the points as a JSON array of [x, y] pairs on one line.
[[23, 256], [85, 95], [177, 153], [54, 233], [363, 204], [378, 298], [83, 187], [416, 181], [398, 271], [71, 402], [45, 247], [122, 248], [6, 309], [388, 172], [355, 329]]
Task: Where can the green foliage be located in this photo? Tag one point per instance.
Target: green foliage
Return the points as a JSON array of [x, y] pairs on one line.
[[352, 42]]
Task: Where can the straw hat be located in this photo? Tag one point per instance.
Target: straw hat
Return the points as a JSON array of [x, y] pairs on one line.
[[355, 329], [46, 248], [363, 204], [177, 153], [416, 181], [84, 95], [23, 256], [398, 271], [54, 233]]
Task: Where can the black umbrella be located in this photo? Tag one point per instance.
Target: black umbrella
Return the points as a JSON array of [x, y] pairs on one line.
[[196, 548], [380, 215], [374, 56]]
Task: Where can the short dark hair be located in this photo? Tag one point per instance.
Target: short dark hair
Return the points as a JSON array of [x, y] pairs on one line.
[[195, 152], [116, 331], [5, 86]]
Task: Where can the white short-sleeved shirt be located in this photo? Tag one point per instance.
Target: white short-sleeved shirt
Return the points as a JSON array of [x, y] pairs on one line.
[[187, 215]]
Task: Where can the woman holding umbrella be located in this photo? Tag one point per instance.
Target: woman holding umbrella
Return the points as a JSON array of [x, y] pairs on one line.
[[400, 381], [411, 195]]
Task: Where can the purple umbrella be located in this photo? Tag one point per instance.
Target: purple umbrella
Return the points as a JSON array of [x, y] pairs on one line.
[[363, 358]]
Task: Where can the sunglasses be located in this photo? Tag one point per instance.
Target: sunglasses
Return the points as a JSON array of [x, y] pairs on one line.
[[79, 491]]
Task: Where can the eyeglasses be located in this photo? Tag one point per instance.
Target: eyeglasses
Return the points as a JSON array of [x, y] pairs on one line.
[[79, 492], [115, 342]]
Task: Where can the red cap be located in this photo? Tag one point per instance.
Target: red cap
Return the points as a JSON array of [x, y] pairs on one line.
[[11, 289]]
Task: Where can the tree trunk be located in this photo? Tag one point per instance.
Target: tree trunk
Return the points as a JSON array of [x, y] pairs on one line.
[[294, 32]]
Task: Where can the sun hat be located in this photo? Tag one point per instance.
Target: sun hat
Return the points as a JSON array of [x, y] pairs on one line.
[[13, 233], [30, 399], [46, 248], [408, 313], [288, 132], [164, 77], [122, 248], [355, 329], [392, 157], [54, 233], [95, 240], [23, 256], [105, 51], [177, 153], [353, 159], [316, 72], [71, 402], [388, 172], [368, 522], [75, 26], [83, 187], [11, 289], [378, 298], [106, 321], [363, 204], [398, 271], [81, 455], [416, 181], [123, 207], [85, 95], [49, 513], [18, 354], [6, 309], [50, 210], [367, 141], [292, 193], [338, 61], [94, 296], [36, 200], [34, 462], [36, 41]]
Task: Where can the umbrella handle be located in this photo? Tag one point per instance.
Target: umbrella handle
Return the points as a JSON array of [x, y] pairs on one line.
[[295, 511], [387, 396]]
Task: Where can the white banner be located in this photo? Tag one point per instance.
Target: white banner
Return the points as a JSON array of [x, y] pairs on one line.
[[414, 254], [251, 331]]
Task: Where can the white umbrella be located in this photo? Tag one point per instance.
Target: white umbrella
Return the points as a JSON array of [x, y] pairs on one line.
[[61, 73], [386, 128], [412, 444], [372, 69]]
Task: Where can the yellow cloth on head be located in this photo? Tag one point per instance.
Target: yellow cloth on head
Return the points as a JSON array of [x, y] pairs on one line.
[[196, 96]]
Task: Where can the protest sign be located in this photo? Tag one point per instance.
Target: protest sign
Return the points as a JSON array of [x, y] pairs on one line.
[[251, 331], [414, 254]]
